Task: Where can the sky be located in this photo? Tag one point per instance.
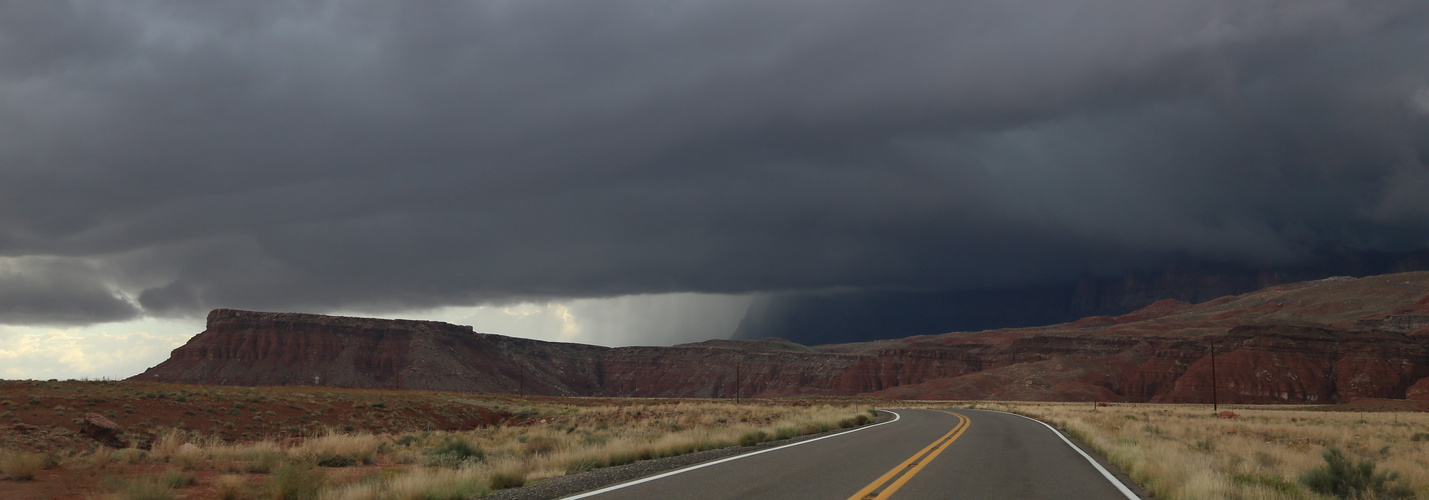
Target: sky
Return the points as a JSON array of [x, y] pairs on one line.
[[625, 172]]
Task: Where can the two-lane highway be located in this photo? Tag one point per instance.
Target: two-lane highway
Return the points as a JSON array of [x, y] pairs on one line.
[[924, 454]]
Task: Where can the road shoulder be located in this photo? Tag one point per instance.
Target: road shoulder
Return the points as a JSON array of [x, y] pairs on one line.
[[1135, 487], [572, 484]]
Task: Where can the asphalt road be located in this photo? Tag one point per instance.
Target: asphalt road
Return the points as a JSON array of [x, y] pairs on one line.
[[924, 454]]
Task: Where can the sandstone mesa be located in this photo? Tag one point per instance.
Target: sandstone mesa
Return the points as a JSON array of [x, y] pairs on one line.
[[1324, 341]]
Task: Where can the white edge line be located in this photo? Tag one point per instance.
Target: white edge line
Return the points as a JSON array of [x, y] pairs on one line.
[[1109, 477], [896, 416]]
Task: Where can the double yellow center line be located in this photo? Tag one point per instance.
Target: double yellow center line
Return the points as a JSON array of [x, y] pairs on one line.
[[885, 485]]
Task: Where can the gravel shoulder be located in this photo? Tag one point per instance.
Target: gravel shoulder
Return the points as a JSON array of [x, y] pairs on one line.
[[586, 481]]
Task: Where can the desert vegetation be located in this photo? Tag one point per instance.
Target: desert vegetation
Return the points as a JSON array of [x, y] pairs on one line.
[[36, 409], [1262, 452], [322, 443], [530, 440]]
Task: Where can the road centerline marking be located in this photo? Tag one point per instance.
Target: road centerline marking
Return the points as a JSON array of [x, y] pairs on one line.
[[900, 474]]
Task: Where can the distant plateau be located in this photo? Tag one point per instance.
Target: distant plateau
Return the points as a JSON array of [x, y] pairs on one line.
[[1323, 341]]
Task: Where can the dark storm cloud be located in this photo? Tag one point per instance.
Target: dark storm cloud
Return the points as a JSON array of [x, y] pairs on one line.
[[349, 155], [59, 293]]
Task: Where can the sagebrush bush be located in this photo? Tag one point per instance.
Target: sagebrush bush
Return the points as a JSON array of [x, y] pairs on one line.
[[454, 451], [1344, 478]]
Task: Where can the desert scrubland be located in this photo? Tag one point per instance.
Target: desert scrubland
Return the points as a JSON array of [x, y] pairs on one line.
[[1264, 452], [360, 444], [203, 442]]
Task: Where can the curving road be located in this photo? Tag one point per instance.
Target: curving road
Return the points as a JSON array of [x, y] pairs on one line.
[[923, 454]]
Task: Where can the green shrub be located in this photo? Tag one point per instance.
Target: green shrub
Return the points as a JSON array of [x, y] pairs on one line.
[[581, 465], [453, 451], [1277, 483], [460, 490], [336, 460], [1342, 478], [1420, 436], [861, 419], [621, 458], [594, 439], [786, 432], [174, 479], [752, 438], [407, 440], [504, 480], [146, 488], [297, 481]]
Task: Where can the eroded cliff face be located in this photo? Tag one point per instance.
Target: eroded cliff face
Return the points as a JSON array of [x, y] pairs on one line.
[[1314, 342]]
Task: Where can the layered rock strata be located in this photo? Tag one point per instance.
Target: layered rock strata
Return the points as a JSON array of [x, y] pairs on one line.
[[1314, 342]]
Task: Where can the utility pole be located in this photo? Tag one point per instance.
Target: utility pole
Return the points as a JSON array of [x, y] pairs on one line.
[[1215, 406]]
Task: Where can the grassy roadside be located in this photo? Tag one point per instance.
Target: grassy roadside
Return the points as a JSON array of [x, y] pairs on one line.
[[554, 439], [415, 444], [1265, 452]]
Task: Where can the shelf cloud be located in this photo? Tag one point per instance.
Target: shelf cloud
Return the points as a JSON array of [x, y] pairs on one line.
[[161, 159]]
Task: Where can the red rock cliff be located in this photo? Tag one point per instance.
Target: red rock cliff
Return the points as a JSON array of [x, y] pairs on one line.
[[1322, 341]]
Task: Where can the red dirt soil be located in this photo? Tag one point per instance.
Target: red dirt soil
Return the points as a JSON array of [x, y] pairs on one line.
[[45, 416]]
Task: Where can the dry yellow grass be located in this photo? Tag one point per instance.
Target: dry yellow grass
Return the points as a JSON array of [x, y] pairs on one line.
[[573, 439], [21, 465], [1176, 451], [229, 486], [101, 456], [345, 449], [1186, 452], [168, 444], [553, 440]]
